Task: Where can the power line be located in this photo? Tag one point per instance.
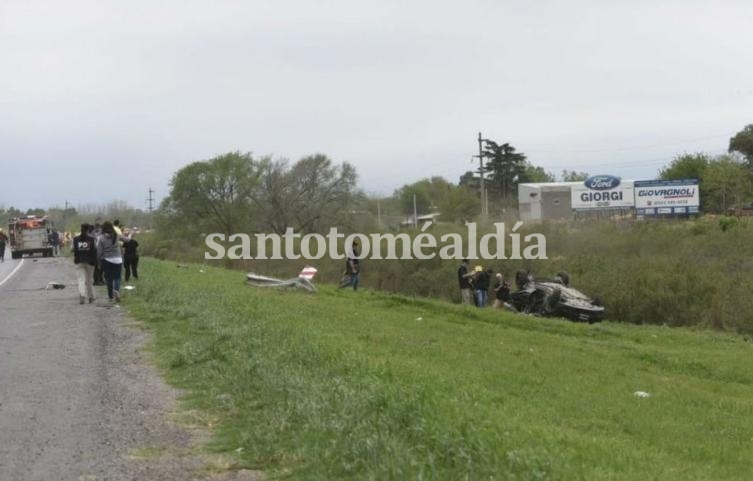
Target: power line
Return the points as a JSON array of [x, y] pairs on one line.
[[635, 147], [631, 163]]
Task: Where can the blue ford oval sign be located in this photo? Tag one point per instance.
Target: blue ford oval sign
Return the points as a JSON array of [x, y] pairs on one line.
[[602, 182]]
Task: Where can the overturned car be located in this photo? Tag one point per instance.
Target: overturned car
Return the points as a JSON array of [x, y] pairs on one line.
[[554, 298]]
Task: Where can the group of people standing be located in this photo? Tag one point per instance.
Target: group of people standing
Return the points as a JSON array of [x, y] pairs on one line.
[[100, 252], [474, 286]]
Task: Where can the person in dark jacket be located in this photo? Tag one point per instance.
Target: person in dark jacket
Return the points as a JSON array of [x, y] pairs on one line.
[[130, 257], [481, 284], [55, 242], [352, 267], [99, 279], [464, 282], [85, 258]]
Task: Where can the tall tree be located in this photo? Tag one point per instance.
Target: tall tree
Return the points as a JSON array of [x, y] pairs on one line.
[[459, 205], [311, 195], [215, 194], [453, 202], [742, 142], [417, 191], [726, 183], [234, 193], [532, 173], [429, 193], [505, 165], [690, 166], [686, 166], [573, 176]]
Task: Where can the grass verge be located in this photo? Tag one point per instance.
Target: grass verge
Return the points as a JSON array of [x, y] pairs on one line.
[[371, 386]]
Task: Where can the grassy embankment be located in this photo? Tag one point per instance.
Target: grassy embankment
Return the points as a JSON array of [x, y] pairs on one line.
[[365, 385], [680, 273]]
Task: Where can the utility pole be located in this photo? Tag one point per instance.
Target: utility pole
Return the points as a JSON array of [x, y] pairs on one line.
[[415, 213], [65, 214], [484, 209], [150, 199], [379, 214]]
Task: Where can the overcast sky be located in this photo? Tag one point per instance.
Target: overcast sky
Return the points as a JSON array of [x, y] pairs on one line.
[[100, 100]]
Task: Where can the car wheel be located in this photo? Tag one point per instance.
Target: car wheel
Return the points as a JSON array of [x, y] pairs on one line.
[[565, 278]]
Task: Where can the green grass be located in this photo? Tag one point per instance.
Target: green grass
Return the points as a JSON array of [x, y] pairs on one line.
[[675, 272], [369, 386]]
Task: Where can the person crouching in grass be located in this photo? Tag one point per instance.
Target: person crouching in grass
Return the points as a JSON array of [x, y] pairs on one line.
[[501, 292]]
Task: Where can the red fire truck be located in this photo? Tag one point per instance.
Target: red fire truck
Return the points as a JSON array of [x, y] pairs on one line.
[[29, 235]]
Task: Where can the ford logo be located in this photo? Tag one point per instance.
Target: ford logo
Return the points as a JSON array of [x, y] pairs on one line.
[[602, 182]]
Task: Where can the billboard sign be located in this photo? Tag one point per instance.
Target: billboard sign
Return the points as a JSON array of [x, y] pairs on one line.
[[602, 192], [667, 197]]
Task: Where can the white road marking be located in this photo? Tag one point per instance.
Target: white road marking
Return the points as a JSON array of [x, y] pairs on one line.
[[12, 272]]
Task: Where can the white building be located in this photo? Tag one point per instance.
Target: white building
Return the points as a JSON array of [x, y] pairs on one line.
[[598, 195], [545, 201]]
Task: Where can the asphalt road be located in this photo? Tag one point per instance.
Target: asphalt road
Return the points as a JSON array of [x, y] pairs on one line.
[[77, 400]]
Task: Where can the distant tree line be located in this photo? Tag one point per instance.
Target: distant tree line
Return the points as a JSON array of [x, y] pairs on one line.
[[237, 192], [70, 219], [726, 181]]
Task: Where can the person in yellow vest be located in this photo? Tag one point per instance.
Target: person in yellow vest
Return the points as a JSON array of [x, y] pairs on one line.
[[116, 226]]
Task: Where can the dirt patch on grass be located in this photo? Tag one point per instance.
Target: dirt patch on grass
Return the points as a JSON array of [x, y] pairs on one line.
[[160, 441]]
